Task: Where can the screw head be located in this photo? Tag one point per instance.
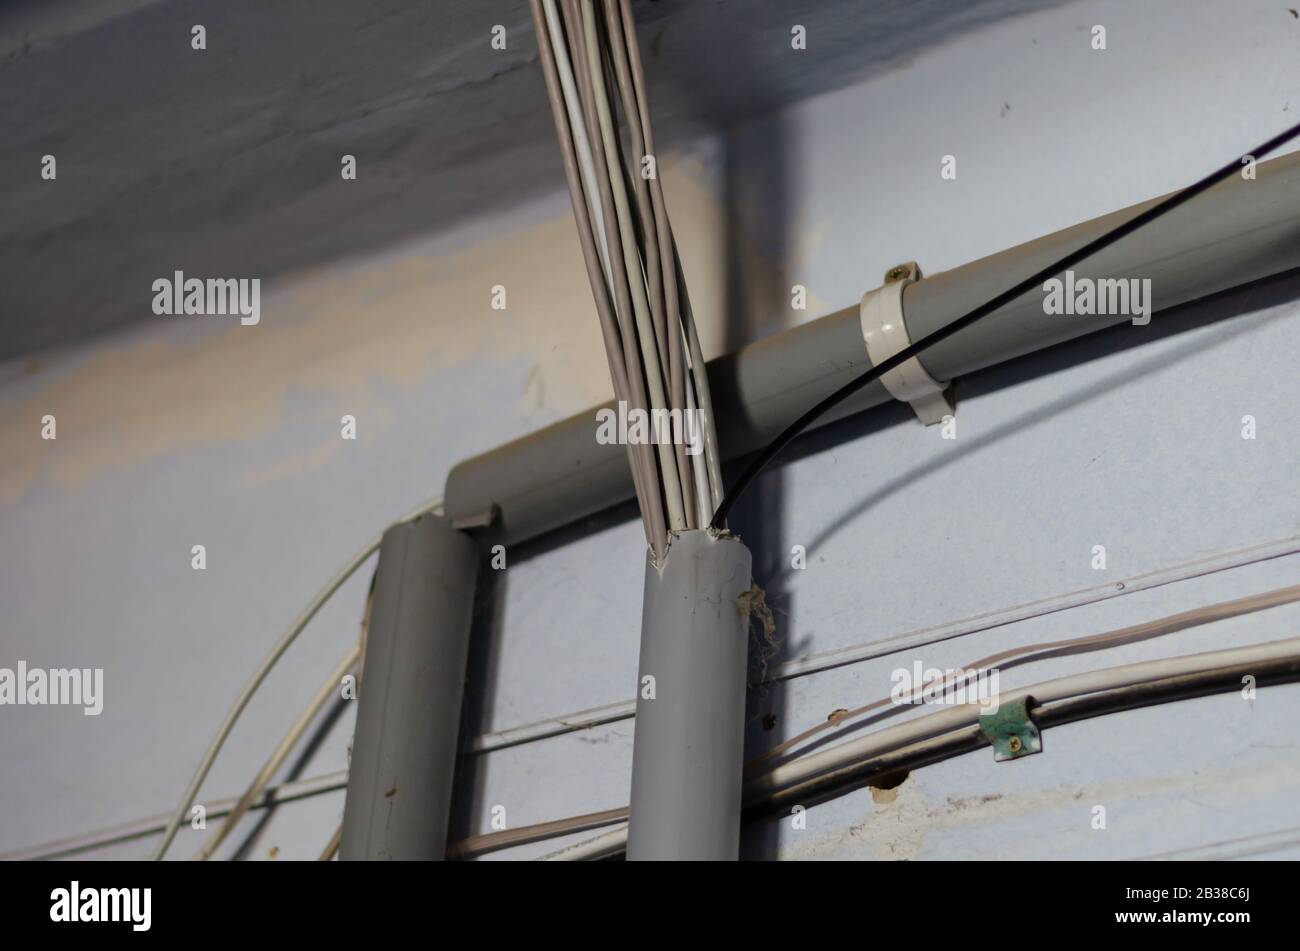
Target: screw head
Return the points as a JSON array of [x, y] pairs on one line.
[[896, 273], [1014, 744]]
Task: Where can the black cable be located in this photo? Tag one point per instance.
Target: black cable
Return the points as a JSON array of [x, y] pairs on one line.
[[897, 763], [774, 448], [1175, 688], [1055, 713]]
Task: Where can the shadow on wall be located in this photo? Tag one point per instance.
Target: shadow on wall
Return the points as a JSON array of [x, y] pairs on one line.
[[226, 161], [1233, 303]]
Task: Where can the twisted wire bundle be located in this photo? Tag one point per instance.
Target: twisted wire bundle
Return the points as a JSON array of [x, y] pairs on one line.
[[594, 79]]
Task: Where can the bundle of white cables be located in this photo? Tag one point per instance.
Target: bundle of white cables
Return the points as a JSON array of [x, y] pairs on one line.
[[593, 76]]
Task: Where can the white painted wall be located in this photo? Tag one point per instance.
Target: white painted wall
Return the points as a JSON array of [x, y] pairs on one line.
[[184, 433]]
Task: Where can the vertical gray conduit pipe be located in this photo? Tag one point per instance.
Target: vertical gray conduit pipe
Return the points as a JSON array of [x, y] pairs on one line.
[[408, 722], [688, 747]]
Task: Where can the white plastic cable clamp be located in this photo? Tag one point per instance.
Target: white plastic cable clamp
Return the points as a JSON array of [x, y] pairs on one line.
[[885, 334]]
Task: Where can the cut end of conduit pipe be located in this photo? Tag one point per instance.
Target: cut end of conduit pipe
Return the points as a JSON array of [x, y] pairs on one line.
[[714, 534]]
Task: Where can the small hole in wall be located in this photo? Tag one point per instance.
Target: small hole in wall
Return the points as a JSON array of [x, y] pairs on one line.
[[884, 788]]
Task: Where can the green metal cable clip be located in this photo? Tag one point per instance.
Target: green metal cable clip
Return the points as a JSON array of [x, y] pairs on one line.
[[1011, 731]]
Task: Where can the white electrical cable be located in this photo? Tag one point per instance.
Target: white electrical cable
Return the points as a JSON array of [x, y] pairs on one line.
[[619, 20], [712, 453], [695, 357], [139, 828], [615, 325], [599, 847], [949, 630], [816, 764], [264, 668], [586, 50], [1042, 650], [332, 847], [635, 275], [288, 792], [855, 752], [323, 695], [698, 462], [578, 128]]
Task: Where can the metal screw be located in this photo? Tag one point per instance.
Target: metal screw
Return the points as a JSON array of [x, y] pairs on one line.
[[1014, 744], [896, 273]]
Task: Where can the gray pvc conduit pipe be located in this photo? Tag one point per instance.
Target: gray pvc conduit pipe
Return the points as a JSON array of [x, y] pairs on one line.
[[1237, 232], [688, 749], [686, 774], [408, 722]]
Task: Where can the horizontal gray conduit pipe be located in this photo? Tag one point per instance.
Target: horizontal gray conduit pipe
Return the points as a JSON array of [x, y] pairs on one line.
[[1235, 233]]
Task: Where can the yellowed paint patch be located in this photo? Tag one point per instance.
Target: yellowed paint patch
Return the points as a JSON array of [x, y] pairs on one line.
[[898, 830], [396, 317]]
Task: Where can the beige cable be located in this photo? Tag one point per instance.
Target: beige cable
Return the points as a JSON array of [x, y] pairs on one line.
[[660, 272], [324, 694], [259, 676], [585, 200], [523, 835], [675, 289], [1223, 610], [645, 331], [332, 847], [1029, 653], [622, 304]]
